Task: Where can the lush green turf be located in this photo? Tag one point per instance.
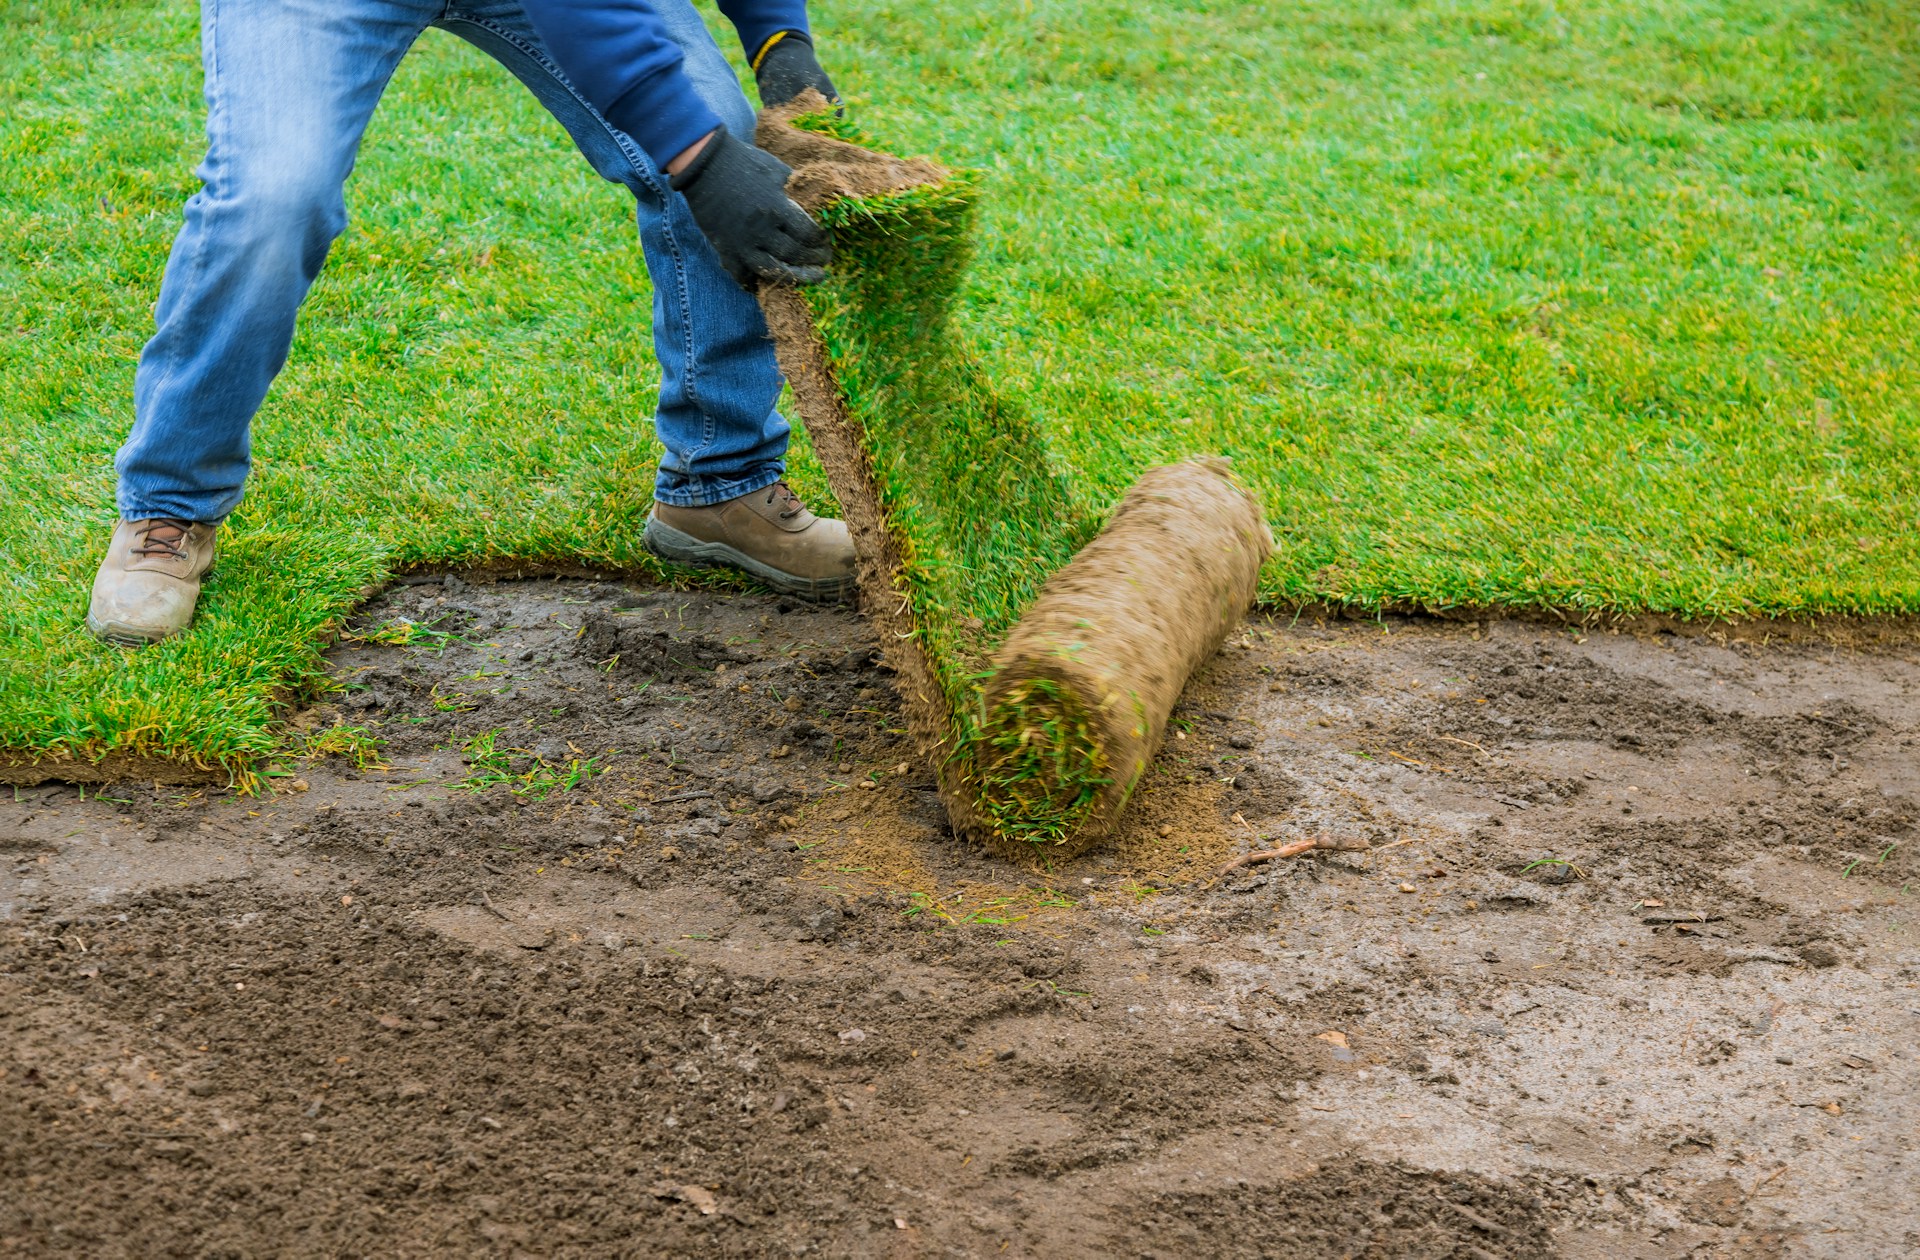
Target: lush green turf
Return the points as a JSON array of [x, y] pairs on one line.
[[1603, 306]]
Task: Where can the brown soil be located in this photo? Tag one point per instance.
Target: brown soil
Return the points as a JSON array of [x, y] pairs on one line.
[[112, 768], [718, 1000], [826, 170]]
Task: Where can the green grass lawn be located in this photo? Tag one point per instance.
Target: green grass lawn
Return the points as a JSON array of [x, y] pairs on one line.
[[1607, 306]]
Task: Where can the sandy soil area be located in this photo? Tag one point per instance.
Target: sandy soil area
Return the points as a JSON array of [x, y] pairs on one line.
[[1625, 968]]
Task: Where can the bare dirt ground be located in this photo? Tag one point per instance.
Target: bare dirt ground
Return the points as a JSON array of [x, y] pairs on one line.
[[1628, 968]]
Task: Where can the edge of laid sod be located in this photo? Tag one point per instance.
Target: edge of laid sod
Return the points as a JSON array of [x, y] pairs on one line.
[[1761, 150], [233, 735]]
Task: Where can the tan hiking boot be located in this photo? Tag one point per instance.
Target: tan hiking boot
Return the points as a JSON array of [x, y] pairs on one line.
[[768, 533], [149, 582]]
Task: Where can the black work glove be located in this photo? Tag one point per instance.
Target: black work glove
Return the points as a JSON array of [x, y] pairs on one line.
[[738, 195], [788, 69]]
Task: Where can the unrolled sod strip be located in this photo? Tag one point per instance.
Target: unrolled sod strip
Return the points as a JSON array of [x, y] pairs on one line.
[[1044, 761]]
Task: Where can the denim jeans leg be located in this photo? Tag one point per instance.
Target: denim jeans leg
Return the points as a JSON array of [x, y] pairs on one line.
[[719, 377], [290, 85]]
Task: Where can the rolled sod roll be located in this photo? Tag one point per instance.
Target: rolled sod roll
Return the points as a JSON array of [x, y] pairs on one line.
[[1038, 755], [1084, 685]]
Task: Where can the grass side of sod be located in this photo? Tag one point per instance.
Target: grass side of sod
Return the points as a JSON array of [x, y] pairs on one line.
[[1499, 304]]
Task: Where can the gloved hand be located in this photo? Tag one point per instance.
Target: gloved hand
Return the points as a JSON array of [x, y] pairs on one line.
[[738, 195], [787, 67]]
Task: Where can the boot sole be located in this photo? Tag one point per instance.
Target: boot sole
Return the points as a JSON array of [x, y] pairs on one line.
[[680, 547], [123, 635]]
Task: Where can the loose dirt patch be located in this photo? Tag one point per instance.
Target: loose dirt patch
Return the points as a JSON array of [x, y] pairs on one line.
[[616, 956]]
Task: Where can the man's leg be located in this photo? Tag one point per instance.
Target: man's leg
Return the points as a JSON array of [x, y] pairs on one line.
[[290, 85], [720, 480]]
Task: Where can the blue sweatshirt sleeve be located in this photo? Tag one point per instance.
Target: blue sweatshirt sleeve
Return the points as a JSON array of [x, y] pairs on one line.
[[758, 21], [618, 53]]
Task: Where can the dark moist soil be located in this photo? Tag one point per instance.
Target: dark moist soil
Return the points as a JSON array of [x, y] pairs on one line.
[[720, 999]]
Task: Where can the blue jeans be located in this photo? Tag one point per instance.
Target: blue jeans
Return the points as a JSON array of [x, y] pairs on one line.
[[290, 85]]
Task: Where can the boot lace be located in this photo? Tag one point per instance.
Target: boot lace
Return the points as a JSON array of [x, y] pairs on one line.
[[791, 506], [164, 536]]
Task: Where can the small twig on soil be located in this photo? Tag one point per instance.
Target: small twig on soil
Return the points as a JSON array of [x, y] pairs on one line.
[[1465, 743], [682, 796], [1291, 850], [1492, 1227], [492, 909]]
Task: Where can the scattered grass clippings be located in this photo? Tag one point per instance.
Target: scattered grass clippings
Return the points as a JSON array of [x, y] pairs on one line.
[[356, 744], [524, 774]]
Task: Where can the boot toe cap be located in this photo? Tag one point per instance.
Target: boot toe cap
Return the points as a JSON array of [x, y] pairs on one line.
[[140, 608], [837, 554]]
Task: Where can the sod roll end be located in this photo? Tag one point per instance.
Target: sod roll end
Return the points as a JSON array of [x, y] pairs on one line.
[[1084, 685]]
